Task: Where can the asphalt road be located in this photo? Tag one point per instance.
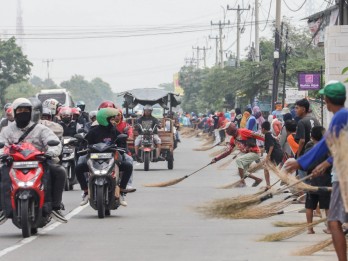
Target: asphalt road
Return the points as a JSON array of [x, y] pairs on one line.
[[162, 224]]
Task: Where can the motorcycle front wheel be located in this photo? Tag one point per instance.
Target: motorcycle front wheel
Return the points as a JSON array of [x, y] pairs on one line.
[[100, 202], [146, 160], [25, 218]]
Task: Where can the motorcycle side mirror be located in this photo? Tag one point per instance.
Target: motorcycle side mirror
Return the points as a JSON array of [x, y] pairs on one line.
[[122, 136], [52, 143], [2, 145]]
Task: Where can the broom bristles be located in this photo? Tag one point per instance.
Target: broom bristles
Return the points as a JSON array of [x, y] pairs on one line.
[[225, 164], [307, 251], [290, 232], [288, 224], [204, 148], [209, 141], [218, 152], [166, 184]]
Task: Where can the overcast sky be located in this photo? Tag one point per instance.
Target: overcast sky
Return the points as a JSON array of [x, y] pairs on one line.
[[131, 43]]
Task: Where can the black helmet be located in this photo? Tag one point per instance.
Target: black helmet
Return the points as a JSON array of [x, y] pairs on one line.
[[81, 105]]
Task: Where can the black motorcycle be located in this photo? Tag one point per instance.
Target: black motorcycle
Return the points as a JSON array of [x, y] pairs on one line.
[[69, 161]]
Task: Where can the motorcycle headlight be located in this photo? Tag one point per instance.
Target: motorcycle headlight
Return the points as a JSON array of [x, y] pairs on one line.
[[102, 169], [25, 184]]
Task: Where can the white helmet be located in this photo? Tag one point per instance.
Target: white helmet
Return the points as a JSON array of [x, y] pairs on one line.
[[21, 102], [148, 107], [51, 104]]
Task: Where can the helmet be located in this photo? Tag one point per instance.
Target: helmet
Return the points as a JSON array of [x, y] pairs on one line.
[[7, 105], [81, 105], [52, 104], [46, 113], [75, 111], [92, 114], [21, 102], [104, 115], [65, 110], [37, 109], [148, 107], [231, 129], [106, 104]]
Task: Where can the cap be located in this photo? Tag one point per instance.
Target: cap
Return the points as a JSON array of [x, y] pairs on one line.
[[334, 89]]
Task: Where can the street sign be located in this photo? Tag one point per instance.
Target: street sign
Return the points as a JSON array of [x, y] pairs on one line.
[[293, 94], [308, 81]]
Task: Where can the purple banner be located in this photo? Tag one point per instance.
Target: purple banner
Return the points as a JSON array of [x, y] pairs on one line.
[[308, 81]]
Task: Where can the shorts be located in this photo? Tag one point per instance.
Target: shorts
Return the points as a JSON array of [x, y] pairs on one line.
[[156, 139], [312, 200], [244, 161], [336, 210]]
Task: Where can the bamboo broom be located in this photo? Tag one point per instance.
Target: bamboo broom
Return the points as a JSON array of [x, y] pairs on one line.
[[307, 251], [218, 152], [232, 205], [174, 181], [205, 148], [290, 232], [288, 224], [338, 148]]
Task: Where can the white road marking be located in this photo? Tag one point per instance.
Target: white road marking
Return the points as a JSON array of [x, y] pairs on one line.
[[54, 225]]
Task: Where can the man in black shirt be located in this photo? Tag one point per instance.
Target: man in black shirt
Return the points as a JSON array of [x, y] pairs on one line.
[[147, 121], [69, 126]]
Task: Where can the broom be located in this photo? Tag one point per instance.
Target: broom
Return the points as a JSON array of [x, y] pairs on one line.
[[288, 224], [290, 232], [218, 152], [232, 205], [205, 148], [338, 147], [307, 251], [228, 162], [209, 141], [174, 181]]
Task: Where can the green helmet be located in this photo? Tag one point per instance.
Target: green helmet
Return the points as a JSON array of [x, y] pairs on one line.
[[104, 114]]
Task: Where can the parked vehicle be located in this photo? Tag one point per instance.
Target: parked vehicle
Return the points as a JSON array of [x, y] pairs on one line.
[[61, 95], [27, 174]]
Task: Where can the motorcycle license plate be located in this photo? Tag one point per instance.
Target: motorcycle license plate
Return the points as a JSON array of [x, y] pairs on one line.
[[101, 155], [25, 164]]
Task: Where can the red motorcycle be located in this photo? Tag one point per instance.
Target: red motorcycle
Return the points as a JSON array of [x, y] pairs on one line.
[[27, 186]]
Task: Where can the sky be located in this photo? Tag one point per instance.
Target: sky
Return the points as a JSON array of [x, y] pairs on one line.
[[133, 43]]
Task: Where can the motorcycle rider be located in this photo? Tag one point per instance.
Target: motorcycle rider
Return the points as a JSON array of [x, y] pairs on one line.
[[36, 117], [39, 137], [84, 117], [104, 132], [148, 121], [69, 126], [93, 118], [54, 106], [8, 118]]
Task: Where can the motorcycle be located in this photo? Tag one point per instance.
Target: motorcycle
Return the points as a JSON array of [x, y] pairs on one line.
[[28, 183], [104, 175], [147, 148], [69, 161]]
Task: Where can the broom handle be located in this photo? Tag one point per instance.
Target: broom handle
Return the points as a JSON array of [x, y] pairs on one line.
[[197, 170], [294, 184]]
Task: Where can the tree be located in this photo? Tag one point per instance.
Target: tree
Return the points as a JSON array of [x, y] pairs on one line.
[[14, 66], [22, 89]]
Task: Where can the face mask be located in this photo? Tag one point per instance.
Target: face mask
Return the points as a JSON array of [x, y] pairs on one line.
[[22, 119], [66, 120]]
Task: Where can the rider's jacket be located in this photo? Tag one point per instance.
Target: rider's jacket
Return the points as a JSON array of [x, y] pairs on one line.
[[104, 134], [39, 137]]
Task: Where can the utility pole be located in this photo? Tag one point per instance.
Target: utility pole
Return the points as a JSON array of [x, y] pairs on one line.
[[197, 56], [48, 61], [220, 37], [284, 65], [238, 30], [190, 61], [216, 49], [277, 48], [205, 56], [257, 40]]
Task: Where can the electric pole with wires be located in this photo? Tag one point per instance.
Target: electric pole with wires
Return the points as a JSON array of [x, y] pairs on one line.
[[48, 61], [220, 37], [238, 30]]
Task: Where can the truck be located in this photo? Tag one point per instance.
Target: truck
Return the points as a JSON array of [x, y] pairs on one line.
[[61, 95]]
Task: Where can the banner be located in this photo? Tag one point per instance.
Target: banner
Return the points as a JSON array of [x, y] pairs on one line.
[[177, 87], [308, 81]]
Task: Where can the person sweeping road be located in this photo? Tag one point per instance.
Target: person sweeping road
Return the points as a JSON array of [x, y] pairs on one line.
[[246, 141], [335, 96]]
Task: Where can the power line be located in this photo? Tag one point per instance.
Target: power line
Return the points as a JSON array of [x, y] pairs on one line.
[[269, 12], [296, 10]]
